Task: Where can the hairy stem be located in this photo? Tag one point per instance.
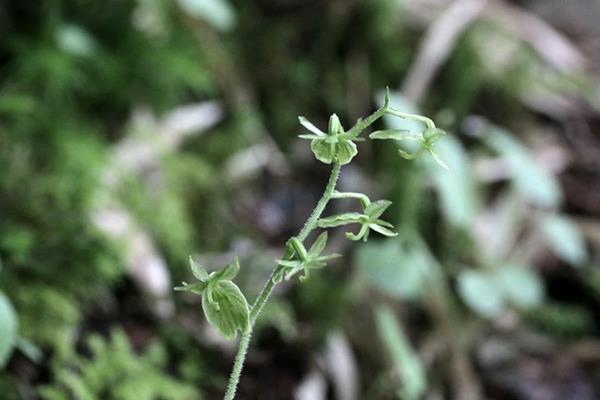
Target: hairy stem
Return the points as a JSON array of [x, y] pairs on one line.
[[311, 223], [363, 124], [265, 293], [238, 364]]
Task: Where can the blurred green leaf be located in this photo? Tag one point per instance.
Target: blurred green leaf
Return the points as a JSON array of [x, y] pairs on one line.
[[481, 293], [407, 364], [279, 314], [564, 320], [394, 266], [219, 13], [521, 286], [565, 239], [29, 349], [530, 178], [8, 329], [75, 40], [456, 185]]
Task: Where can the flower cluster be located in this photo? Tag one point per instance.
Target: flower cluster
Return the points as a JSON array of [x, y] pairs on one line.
[[303, 260], [333, 146]]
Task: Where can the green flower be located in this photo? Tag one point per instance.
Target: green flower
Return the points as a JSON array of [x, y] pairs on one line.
[[223, 303], [304, 260], [333, 146], [368, 220], [426, 140]]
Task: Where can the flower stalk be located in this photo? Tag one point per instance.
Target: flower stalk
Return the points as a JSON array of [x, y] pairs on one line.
[[223, 303]]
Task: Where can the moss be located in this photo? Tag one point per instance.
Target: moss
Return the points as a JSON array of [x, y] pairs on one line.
[[115, 371]]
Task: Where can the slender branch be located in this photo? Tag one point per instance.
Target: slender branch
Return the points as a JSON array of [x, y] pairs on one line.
[[427, 121], [265, 293], [311, 223], [364, 200], [363, 124]]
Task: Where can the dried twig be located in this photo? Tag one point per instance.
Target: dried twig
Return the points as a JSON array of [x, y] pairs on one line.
[[438, 44]]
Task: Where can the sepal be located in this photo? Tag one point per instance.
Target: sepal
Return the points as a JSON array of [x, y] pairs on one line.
[[223, 303]]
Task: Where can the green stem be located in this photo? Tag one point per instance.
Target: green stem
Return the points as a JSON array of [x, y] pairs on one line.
[[311, 223], [363, 124], [238, 364], [427, 121], [265, 293], [364, 200]]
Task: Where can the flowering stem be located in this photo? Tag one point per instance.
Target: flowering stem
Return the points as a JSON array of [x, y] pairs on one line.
[[265, 293]]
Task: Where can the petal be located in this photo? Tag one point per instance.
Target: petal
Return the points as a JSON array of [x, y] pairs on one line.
[[345, 151], [328, 257], [409, 156], [198, 271], [440, 162], [299, 248], [384, 231], [335, 125], [309, 136], [376, 208], [318, 246], [431, 135], [226, 273], [290, 263], [293, 272], [383, 223], [322, 150], [309, 125], [316, 265]]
